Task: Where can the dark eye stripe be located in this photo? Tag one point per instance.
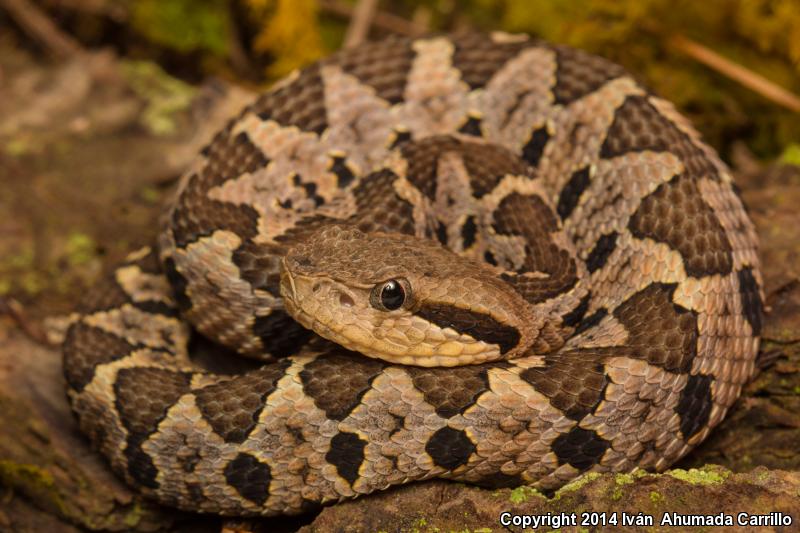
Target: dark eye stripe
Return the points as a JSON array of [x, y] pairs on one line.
[[479, 326]]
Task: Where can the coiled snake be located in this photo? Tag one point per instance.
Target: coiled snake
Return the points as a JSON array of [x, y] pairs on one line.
[[549, 271]]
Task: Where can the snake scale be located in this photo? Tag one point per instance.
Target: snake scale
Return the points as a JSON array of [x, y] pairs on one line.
[[549, 271]]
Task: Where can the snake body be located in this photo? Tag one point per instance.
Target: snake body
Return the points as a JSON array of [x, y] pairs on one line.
[[545, 270]]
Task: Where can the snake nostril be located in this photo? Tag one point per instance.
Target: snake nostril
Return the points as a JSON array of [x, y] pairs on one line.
[[316, 287], [346, 300]]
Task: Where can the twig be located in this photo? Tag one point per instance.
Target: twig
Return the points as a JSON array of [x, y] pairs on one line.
[[746, 77], [116, 11], [14, 310], [362, 18], [36, 24], [382, 20]]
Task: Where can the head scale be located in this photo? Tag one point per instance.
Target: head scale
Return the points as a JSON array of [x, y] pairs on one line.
[[403, 299]]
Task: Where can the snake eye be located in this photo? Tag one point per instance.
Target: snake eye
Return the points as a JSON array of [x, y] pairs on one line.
[[389, 295]]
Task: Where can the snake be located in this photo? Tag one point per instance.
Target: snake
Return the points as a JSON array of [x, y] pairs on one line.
[[480, 257]]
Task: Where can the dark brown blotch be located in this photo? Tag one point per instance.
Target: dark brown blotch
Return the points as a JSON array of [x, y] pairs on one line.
[[195, 216], [579, 73], [250, 477], [580, 448], [450, 390], [450, 448], [346, 454], [486, 164], [260, 265], [676, 215], [695, 405], [529, 217], [639, 126], [280, 334], [479, 326], [85, 347], [144, 395], [468, 232], [232, 407], [310, 189], [179, 285], [337, 381], [572, 191], [602, 250], [591, 321], [344, 176], [534, 148], [573, 381], [472, 126], [660, 331], [574, 317], [155, 307], [379, 206], [139, 465], [383, 65], [752, 306], [109, 295], [300, 103], [478, 58]]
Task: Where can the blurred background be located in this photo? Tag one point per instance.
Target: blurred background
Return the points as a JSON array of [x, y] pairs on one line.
[[103, 104], [711, 58]]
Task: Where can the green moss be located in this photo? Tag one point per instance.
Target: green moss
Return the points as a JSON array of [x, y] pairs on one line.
[[164, 95], [521, 494], [151, 195], [33, 481], [18, 147], [80, 249], [624, 479], [620, 480], [576, 484], [134, 516], [707, 475], [18, 272], [419, 525], [655, 496], [183, 25], [791, 155]]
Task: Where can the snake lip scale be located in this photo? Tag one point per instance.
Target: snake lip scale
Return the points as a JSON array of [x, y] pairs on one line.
[[549, 272]]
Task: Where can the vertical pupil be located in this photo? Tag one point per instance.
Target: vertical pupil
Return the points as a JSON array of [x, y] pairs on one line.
[[392, 295]]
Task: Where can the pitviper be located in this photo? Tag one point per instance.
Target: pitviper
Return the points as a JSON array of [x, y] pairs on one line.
[[545, 270]]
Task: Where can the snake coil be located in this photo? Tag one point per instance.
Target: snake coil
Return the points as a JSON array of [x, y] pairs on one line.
[[549, 271]]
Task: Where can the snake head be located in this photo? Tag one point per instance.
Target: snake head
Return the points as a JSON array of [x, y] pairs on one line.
[[403, 299]]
